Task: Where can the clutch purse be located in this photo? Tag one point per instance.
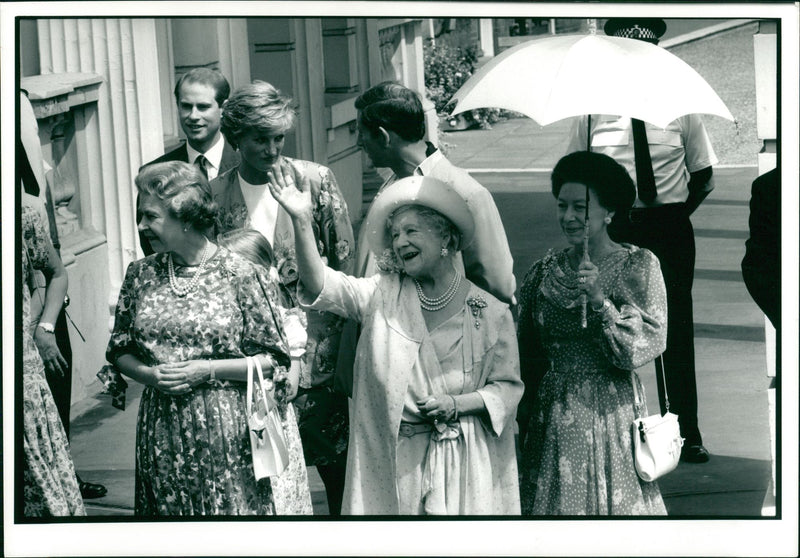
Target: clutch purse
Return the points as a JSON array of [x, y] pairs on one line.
[[267, 441], [657, 439]]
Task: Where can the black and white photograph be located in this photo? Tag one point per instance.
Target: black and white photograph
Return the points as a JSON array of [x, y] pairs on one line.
[[400, 278]]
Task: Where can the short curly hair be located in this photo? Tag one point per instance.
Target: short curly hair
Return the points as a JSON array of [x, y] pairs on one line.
[[607, 179], [256, 106], [183, 189], [394, 107]]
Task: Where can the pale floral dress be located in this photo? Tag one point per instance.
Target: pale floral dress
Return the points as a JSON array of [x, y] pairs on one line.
[[50, 487], [577, 457], [193, 453]]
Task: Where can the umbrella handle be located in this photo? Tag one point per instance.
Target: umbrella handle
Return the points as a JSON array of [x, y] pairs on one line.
[[584, 298]]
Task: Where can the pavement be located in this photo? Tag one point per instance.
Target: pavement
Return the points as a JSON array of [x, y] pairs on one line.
[[513, 161]]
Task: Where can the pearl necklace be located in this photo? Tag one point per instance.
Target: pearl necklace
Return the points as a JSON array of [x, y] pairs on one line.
[[173, 282], [434, 304]]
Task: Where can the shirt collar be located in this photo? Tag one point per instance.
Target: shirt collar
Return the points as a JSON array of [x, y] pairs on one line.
[[425, 167], [213, 155]]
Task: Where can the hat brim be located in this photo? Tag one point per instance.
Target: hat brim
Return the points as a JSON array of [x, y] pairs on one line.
[[417, 190]]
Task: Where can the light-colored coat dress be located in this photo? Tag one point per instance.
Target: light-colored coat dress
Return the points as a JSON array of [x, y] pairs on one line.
[[394, 344]]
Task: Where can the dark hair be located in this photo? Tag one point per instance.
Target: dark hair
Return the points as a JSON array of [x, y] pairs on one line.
[[608, 179], [393, 107], [250, 244], [212, 78], [256, 106], [183, 189]]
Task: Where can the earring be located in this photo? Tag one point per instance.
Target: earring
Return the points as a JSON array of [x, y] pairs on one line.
[[185, 229], [607, 220], [445, 251]]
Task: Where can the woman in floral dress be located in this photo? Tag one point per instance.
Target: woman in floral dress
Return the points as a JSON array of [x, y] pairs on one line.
[[50, 487], [575, 418], [255, 119], [186, 318]]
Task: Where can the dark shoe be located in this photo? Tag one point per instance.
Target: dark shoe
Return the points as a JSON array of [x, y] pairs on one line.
[[695, 453], [91, 490]]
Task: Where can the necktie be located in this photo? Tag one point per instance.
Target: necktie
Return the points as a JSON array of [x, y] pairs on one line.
[[645, 181], [202, 164]]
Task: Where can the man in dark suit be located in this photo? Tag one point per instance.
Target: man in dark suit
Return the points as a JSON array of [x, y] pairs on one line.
[[199, 93]]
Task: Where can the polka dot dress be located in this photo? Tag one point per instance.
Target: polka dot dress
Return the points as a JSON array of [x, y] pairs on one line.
[[577, 458]]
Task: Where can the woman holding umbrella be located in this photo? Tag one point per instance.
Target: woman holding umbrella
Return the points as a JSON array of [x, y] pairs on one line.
[[575, 417]]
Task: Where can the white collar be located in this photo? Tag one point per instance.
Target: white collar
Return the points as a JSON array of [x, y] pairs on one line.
[[425, 167], [213, 155]]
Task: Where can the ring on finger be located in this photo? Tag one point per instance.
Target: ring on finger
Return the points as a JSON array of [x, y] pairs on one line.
[[582, 280]]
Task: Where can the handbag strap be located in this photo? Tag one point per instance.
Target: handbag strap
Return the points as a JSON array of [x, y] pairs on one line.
[[268, 400], [660, 374], [249, 400], [637, 399]]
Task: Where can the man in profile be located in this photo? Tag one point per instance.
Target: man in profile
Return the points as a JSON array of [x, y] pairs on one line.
[[391, 131]]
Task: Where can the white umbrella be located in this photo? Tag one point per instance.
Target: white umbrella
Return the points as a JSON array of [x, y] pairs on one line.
[[570, 75], [554, 78]]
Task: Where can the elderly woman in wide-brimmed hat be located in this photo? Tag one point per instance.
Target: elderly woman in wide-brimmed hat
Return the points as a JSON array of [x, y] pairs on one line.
[[436, 381]]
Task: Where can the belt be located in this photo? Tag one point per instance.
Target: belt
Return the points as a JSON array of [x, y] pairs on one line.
[[658, 212], [409, 429]]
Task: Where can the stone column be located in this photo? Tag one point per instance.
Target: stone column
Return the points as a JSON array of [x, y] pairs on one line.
[[112, 139]]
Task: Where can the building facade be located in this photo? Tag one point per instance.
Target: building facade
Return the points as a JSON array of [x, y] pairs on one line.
[[102, 91]]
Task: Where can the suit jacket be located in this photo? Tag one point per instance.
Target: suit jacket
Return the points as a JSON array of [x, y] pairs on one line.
[[230, 159], [761, 265]]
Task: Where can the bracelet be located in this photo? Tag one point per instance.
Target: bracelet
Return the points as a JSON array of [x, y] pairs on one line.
[[47, 326], [455, 408]]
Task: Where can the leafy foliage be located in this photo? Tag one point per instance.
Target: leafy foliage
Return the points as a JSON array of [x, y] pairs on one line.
[[447, 68]]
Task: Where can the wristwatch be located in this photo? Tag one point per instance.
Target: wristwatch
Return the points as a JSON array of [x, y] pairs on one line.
[[606, 305], [48, 327]]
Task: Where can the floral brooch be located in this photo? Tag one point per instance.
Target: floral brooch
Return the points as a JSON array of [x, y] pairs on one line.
[[476, 304]]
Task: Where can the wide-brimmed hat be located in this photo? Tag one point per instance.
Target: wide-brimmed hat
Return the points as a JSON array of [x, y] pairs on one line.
[[643, 28], [417, 190]]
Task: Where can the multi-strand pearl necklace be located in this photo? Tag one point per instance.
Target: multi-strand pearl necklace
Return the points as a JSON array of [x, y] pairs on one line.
[[434, 304], [188, 287]]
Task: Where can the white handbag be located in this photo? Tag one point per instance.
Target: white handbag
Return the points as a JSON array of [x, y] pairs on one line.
[[657, 439], [267, 441]]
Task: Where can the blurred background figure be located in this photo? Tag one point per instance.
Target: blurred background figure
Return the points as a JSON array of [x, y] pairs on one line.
[[761, 265], [50, 486]]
